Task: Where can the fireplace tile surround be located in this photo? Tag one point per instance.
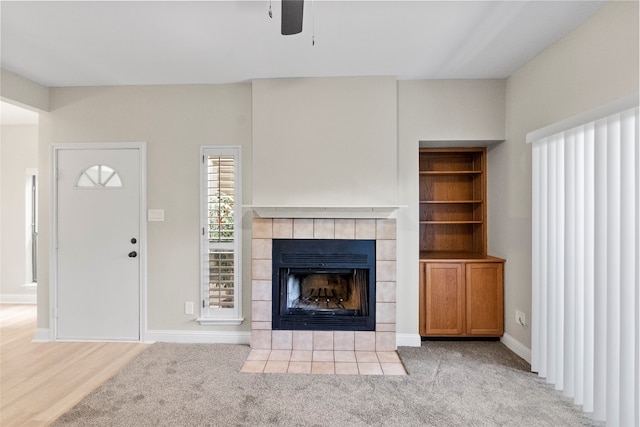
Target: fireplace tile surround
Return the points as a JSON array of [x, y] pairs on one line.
[[383, 231]]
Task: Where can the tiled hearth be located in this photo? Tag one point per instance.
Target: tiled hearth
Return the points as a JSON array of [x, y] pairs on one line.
[[324, 362], [334, 352]]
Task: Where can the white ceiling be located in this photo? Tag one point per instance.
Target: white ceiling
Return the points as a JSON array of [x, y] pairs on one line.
[[149, 42]]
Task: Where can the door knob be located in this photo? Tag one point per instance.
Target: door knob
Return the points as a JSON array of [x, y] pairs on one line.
[[133, 254], [133, 240]]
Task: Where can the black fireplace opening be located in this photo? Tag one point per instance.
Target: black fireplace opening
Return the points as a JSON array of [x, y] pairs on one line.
[[323, 284]]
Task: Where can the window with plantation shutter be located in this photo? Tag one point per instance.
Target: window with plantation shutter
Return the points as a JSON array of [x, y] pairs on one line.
[[221, 227]]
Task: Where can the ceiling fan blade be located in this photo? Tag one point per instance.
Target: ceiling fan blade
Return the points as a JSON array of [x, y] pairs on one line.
[[292, 16]]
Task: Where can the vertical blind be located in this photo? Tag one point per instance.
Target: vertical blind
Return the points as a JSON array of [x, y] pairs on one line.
[[585, 256]]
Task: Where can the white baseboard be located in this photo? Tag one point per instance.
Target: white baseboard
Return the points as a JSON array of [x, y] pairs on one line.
[[42, 335], [224, 337], [408, 340], [185, 337], [517, 347], [198, 337], [18, 298]]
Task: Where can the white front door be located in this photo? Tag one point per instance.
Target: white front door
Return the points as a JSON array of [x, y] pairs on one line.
[[98, 244]]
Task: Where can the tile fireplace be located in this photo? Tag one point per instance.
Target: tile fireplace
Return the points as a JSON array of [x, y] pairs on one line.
[[327, 285]]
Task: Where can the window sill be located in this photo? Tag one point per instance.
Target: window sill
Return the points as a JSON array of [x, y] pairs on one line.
[[209, 321]]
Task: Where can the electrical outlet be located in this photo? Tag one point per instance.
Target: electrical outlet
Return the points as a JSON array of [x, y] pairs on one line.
[[188, 308], [520, 319]]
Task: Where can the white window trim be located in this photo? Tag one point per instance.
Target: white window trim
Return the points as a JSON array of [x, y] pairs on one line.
[[222, 316]]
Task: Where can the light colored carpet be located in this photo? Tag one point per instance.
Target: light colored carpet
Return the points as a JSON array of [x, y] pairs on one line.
[[449, 384]]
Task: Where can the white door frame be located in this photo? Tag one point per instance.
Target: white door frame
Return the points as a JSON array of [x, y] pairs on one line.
[[53, 242]]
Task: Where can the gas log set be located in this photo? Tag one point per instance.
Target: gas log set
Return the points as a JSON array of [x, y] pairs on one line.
[[323, 284]]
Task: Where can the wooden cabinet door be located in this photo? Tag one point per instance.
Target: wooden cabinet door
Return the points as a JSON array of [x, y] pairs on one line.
[[444, 299], [484, 299]]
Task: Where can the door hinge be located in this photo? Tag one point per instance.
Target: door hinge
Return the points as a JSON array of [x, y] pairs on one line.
[[203, 301]]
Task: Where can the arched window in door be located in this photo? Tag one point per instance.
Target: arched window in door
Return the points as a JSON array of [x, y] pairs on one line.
[[99, 176]]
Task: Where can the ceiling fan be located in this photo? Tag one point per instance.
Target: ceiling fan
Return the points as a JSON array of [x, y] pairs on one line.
[[291, 17]]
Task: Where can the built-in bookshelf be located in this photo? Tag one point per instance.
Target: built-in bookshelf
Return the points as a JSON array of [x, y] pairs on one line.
[[461, 286], [452, 202]]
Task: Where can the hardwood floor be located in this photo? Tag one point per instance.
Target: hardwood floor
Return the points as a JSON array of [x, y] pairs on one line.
[[41, 381]]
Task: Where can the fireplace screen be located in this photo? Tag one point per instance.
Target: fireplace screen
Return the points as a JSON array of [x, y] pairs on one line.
[[338, 292], [324, 284]]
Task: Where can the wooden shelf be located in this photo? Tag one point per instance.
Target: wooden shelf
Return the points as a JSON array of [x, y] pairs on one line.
[[451, 222], [450, 172], [455, 256], [451, 198], [446, 202]]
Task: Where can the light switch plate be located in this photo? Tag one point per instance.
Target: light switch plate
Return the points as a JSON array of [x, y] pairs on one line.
[[155, 214], [188, 307]]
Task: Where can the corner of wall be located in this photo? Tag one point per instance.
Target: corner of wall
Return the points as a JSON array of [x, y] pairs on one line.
[[42, 335], [517, 347], [408, 340], [23, 92]]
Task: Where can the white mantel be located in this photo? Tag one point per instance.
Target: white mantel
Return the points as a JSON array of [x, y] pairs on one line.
[[291, 211]]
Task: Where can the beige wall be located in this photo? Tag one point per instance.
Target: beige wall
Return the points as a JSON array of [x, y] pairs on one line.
[[596, 63], [450, 110], [18, 152], [325, 142], [447, 111], [174, 121]]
